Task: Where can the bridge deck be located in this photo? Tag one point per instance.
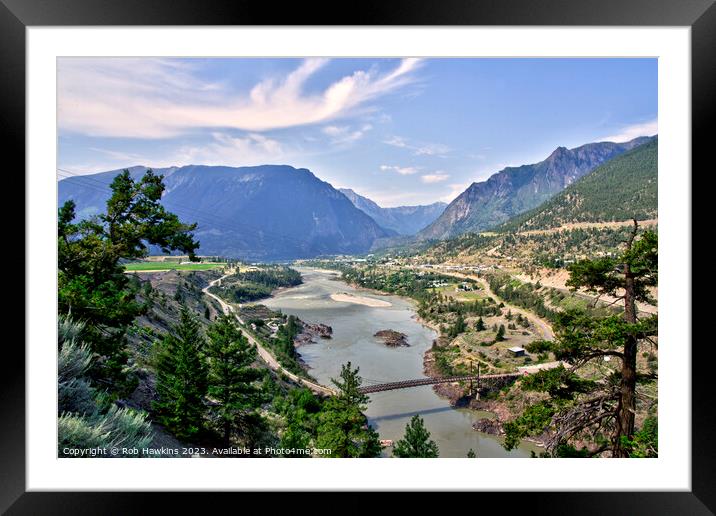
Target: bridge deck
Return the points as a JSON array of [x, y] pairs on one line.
[[404, 384]]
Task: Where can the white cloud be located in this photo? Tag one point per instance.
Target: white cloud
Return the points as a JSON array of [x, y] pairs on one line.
[[403, 171], [126, 157], [252, 149], [333, 130], [436, 177], [432, 149], [632, 131], [158, 98], [346, 134], [419, 149], [396, 141], [223, 149]]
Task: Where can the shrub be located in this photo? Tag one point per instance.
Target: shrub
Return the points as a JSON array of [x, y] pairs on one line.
[[119, 428], [86, 417], [539, 346]]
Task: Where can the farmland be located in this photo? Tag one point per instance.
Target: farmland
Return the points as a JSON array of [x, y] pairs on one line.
[[167, 266]]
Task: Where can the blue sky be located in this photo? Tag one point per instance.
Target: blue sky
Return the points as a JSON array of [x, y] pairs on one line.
[[400, 131]]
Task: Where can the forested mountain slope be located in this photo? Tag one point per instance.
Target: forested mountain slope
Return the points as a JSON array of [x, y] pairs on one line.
[[623, 188]]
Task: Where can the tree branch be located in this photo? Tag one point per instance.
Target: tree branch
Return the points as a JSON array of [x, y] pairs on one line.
[[632, 235], [594, 353]]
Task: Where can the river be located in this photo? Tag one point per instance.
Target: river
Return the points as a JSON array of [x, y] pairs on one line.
[[353, 328]]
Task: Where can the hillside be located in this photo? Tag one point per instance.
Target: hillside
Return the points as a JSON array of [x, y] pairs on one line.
[[269, 212], [164, 293], [403, 220], [620, 189], [515, 190]]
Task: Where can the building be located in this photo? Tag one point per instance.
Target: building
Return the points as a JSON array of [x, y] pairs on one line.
[[517, 351]]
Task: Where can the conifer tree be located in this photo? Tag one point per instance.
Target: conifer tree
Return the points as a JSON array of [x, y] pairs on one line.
[[600, 411], [416, 442], [92, 285], [182, 378], [343, 428], [231, 376], [500, 335]]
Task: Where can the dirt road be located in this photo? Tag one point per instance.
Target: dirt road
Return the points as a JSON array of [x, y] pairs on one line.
[[265, 355], [543, 327]]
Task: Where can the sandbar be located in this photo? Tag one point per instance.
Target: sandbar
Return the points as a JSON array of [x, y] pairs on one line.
[[359, 300]]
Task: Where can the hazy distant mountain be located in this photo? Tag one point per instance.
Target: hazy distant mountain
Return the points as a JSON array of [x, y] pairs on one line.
[[404, 220], [623, 188], [515, 190], [269, 212]]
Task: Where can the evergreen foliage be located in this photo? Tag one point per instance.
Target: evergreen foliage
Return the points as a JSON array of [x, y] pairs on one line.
[[302, 410], [182, 378], [252, 285], [92, 285], [416, 442], [623, 188], [231, 377], [343, 428], [599, 411]]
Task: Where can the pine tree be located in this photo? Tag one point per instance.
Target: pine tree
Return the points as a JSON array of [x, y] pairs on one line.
[[181, 378], [601, 410], [457, 328], [416, 442], [628, 278], [231, 376], [500, 335], [92, 285], [480, 325], [343, 427], [348, 384]]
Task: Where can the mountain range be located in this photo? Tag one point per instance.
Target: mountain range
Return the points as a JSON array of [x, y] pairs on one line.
[[269, 212], [403, 220], [277, 212], [514, 190], [623, 188]]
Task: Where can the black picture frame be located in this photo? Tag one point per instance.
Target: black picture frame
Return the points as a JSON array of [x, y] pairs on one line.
[[17, 15]]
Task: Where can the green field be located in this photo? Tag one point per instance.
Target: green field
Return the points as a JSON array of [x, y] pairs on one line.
[[166, 266]]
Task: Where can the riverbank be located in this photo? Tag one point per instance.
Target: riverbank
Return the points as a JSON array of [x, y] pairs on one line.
[[360, 300], [500, 410], [354, 340], [455, 395]]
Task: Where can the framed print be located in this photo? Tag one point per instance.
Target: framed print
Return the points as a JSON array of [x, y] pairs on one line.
[[418, 249]]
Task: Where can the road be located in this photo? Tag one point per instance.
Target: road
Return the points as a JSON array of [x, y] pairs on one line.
[[542, 326], [265, 355]]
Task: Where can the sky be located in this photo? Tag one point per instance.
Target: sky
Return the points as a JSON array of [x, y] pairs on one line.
[[399, 131]]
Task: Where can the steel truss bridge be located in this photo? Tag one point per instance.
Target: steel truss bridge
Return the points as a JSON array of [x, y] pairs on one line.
[[404, 384]]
